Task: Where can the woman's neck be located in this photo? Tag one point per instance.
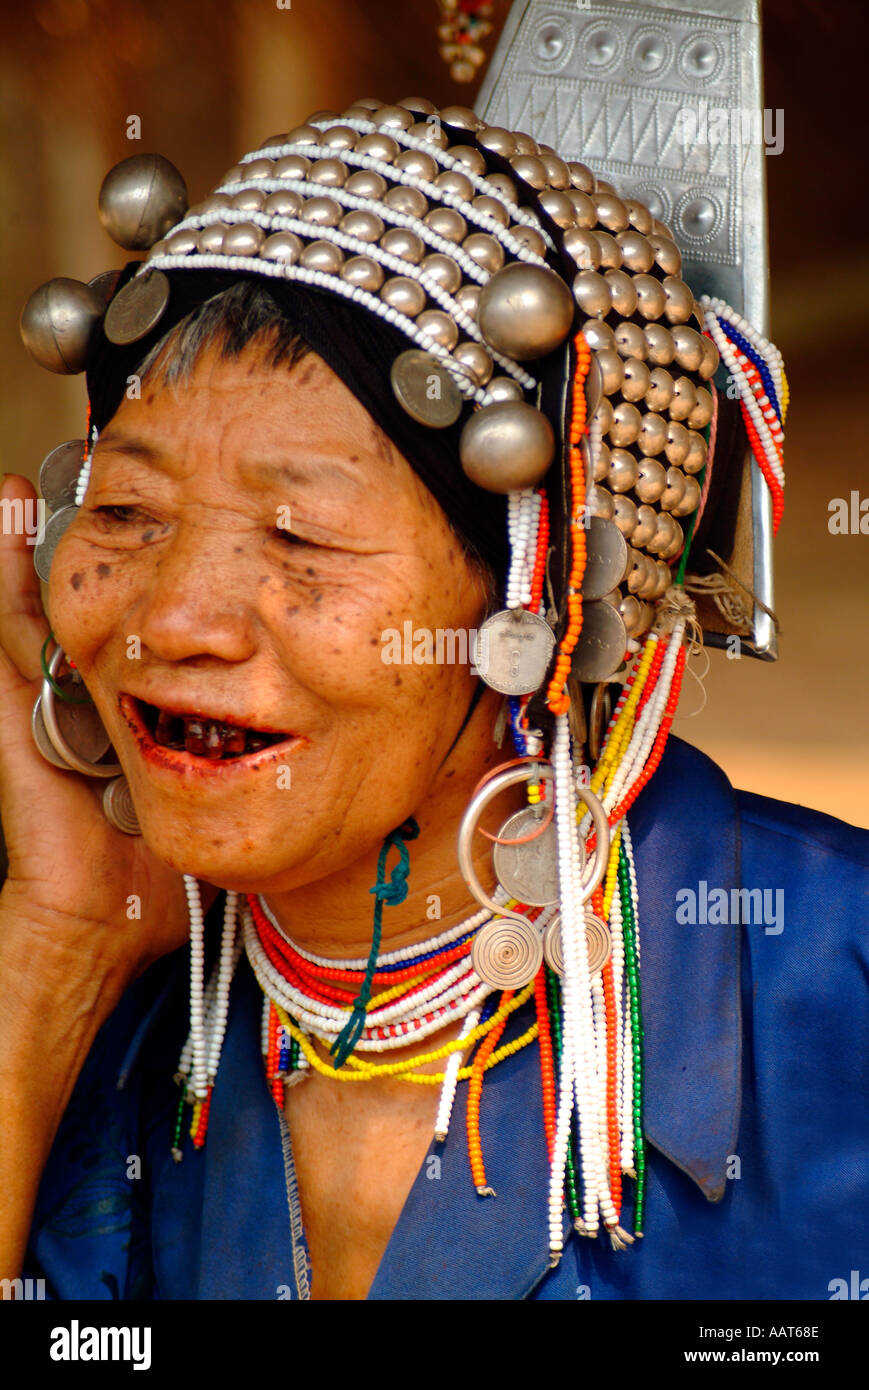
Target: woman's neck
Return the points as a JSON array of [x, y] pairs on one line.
[[334, 916]]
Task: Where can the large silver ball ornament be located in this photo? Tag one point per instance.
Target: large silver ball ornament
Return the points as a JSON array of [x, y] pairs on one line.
[[140, 199], [525, 311], [58, 322], [506, 446]]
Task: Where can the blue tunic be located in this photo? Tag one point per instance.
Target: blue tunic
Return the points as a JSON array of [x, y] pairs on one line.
[[757, 1106]]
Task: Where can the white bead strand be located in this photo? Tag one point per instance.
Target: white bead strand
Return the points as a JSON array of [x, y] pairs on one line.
[[225, 970], [451, 1081], [199, 1076]]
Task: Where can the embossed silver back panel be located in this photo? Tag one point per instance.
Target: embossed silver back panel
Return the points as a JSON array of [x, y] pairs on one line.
[[666, 103]]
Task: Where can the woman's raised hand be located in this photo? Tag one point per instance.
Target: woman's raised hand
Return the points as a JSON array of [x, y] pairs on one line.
[[75, 884]]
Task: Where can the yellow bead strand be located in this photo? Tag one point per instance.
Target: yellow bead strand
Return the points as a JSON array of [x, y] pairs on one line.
[[620, 736], [612, 870], [434, 1078], [400, 1068]]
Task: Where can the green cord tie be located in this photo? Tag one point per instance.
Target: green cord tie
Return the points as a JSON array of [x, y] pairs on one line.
[[689, 538], [392, 891], [59, 692]]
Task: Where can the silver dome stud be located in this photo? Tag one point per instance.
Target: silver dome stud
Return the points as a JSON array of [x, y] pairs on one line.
[[58, 324], [525, 311], [506, 446], [140, 200]]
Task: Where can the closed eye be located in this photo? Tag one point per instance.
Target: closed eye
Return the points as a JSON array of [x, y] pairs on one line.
[[119, 513], [290, 537]]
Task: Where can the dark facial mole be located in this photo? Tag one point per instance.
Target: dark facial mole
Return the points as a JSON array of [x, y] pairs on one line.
[[311, 571], [237, 549], [397, 680], [75, 581], [147, 535], [103, 570]]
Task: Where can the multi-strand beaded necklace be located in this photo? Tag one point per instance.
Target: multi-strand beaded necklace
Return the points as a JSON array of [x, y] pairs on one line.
[[419, 990]]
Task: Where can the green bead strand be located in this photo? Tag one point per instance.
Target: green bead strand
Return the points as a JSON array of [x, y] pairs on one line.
[[553, 995], [177, 1138], [633, 978]]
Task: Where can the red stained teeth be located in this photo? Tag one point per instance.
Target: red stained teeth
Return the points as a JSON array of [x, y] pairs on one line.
[[163, 731], [204, 738], [234, 740], [194, 739]]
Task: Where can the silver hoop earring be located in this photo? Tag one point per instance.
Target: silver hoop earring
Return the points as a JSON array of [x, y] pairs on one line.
[[508, 951], [72, 737], [73, 724]]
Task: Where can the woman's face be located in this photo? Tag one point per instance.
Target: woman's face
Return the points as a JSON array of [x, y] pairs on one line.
[[245, 541]]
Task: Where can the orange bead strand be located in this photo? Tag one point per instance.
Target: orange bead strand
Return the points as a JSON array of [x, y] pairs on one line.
[[557, 698]]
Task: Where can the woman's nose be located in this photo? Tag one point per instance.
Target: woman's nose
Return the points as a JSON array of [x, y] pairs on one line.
[[197, 601]]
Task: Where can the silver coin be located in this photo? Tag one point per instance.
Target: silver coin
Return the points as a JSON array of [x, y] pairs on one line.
[[529, 872], [601, 647], [598, 939], [606, 553], [137, 308], [41, 739], [43, 554], [512, 651], [599, 718], [425, 389], [58, 474], [104, 284], [80, 724]]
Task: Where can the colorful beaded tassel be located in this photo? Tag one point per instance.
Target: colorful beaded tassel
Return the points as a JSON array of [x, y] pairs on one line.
[[757, 371]]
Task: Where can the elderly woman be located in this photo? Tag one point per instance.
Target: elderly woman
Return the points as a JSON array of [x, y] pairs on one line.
[[403, 374]]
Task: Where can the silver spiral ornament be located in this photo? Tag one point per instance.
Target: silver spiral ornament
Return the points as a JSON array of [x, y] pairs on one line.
[[598, 941], [118, 807], [507, 953]]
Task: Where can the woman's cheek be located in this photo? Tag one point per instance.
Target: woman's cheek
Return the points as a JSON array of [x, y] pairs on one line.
[[87, 594]]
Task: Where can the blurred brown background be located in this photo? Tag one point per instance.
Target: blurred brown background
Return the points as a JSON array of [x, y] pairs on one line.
[[211, 80]]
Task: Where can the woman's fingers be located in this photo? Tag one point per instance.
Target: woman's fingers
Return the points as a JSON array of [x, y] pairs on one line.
[[23, 624]]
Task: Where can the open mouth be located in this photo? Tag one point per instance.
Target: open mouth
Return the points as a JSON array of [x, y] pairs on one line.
[[204, 737]]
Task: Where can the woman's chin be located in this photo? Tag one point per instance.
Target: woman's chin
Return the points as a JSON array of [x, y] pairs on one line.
[[243, 865]]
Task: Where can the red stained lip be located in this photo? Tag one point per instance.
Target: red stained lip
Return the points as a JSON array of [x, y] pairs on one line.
[[181, 761]]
